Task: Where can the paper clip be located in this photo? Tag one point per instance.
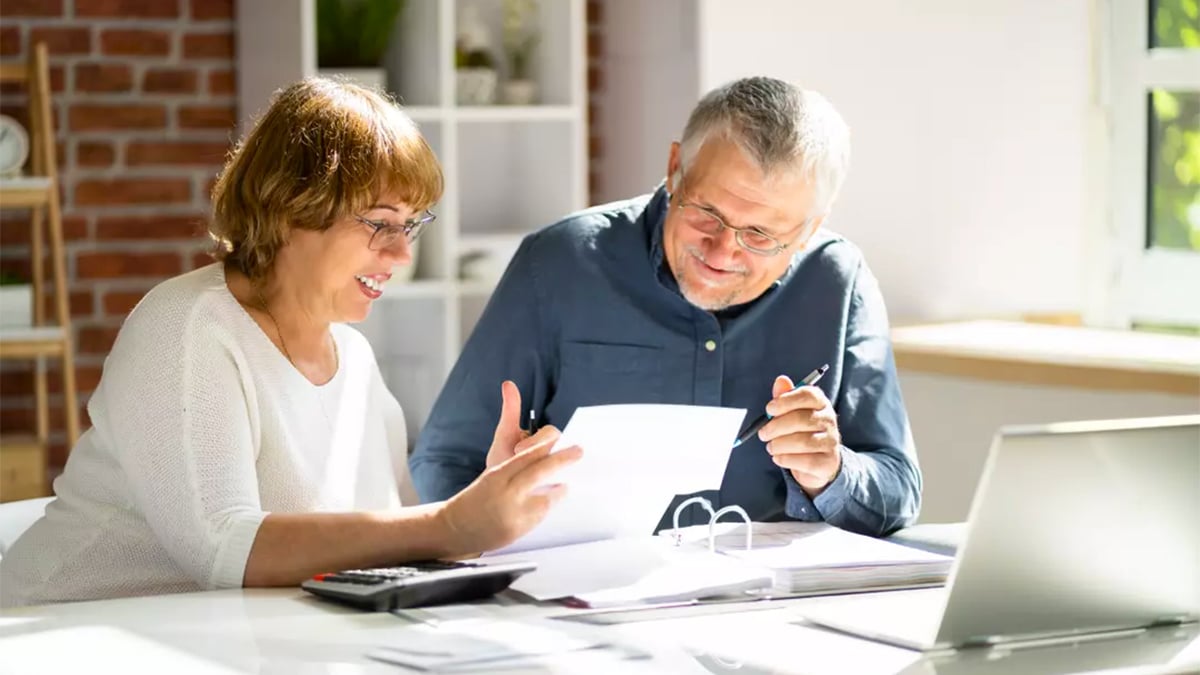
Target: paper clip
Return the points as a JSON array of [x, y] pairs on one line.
[[713, 517]]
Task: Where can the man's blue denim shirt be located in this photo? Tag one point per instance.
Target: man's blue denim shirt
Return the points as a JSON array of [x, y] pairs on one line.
[[588, 313]]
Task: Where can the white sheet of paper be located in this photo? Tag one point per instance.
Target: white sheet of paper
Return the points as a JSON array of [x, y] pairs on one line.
[[481, 644], [636, 458]]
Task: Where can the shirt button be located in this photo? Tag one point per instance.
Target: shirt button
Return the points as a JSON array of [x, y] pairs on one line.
[[710, 345]]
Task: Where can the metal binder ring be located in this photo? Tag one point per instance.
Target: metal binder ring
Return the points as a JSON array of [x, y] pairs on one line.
[[732, 508], [679, 509]]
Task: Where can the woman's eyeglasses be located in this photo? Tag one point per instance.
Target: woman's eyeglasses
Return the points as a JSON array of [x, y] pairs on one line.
[[386, 235]]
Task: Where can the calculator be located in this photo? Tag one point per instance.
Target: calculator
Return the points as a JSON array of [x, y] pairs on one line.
[[431, 582]]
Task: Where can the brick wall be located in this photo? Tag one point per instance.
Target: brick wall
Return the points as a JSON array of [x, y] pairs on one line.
[[144, 110]]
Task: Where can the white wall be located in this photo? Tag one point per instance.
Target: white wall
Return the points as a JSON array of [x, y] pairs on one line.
[[968, 185], [954, 420], [650, 85]]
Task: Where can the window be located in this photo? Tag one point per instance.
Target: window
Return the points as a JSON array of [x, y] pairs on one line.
[[1153, 78]]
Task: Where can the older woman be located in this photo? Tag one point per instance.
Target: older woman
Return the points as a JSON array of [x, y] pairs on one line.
[[242, 433]]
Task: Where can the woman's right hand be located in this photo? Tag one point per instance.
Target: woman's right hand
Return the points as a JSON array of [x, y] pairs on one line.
[[509, 498]]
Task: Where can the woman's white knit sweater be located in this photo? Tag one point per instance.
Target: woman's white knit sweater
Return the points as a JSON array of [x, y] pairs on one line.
[[201, 427]]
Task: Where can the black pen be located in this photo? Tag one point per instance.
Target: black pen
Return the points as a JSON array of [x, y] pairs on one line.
[[809, 380]]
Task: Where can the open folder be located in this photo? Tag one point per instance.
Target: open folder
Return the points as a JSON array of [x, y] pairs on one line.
[[596, 547], [789, 558]]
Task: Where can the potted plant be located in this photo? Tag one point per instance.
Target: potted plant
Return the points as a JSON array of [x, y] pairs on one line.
[[474, 68], [352, 36], [520, 42], [16, 301]]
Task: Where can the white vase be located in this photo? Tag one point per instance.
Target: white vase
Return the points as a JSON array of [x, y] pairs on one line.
[[371, 78], [16, 306], [475, 86], [520, 92]]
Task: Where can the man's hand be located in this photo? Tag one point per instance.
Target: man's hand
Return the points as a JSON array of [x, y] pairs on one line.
[[802, 435]]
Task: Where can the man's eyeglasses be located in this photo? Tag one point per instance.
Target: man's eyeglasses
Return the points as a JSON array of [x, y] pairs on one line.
[[386, 235], [708, 221]]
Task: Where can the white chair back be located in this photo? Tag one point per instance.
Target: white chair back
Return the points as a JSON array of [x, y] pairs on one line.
[[16, 517]]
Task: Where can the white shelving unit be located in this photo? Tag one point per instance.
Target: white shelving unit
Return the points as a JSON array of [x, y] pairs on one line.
[[509, 169]]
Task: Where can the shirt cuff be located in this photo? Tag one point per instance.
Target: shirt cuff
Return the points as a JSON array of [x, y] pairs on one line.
[[831, 500], [229, 568]]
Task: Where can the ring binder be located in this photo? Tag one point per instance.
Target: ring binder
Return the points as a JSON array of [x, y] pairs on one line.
[[713, 517]]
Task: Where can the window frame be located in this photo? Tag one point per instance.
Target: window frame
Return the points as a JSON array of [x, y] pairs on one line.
[[1145, 285]]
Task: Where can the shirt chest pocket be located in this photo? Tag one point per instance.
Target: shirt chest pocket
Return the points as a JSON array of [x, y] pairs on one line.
[[594, 373]]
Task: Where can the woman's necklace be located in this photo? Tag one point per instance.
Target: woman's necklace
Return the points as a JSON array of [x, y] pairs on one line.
[[262, 302]]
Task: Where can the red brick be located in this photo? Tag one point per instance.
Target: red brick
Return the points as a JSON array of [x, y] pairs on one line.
[[10, 41], [58, 83], [79, 303], [595, 45], [207, 10], [127, 9], [103, 77], [86, 379], [58, 420], [101, 117], [16, 378], [74, 227], [95, 154], [32, 8], [595, 13], [169, 81], [595, 147], [179, 153], [208, 46], [17, 265], [63, 40], [595, 78], [111, 265], [16, 419], [121, 303], [202, 258], [207, 117], [222, 82], [135, 42], [15, 229], [121, 191], [125, 228], [96, 339]]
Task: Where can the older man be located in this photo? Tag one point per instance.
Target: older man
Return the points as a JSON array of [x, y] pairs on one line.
[[715, 289]]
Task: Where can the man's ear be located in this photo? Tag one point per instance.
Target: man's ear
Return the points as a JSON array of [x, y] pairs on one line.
[[674, 169], [810, 228]]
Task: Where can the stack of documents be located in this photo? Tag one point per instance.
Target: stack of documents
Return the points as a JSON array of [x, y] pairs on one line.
[[634, 571], [811, 558]]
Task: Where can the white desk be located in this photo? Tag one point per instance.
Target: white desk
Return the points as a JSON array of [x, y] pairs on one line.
[[285, 631]]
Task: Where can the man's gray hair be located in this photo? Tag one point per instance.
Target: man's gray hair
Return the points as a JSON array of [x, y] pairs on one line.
[[780, 127]]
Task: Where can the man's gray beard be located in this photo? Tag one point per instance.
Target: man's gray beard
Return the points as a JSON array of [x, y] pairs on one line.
[[709, 307]]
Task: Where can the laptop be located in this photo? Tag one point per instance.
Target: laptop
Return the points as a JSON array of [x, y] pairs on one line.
[[1076, 529]]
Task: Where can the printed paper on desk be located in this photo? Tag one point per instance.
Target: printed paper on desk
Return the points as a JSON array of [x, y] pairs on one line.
[[636, 458], [481, 644]]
